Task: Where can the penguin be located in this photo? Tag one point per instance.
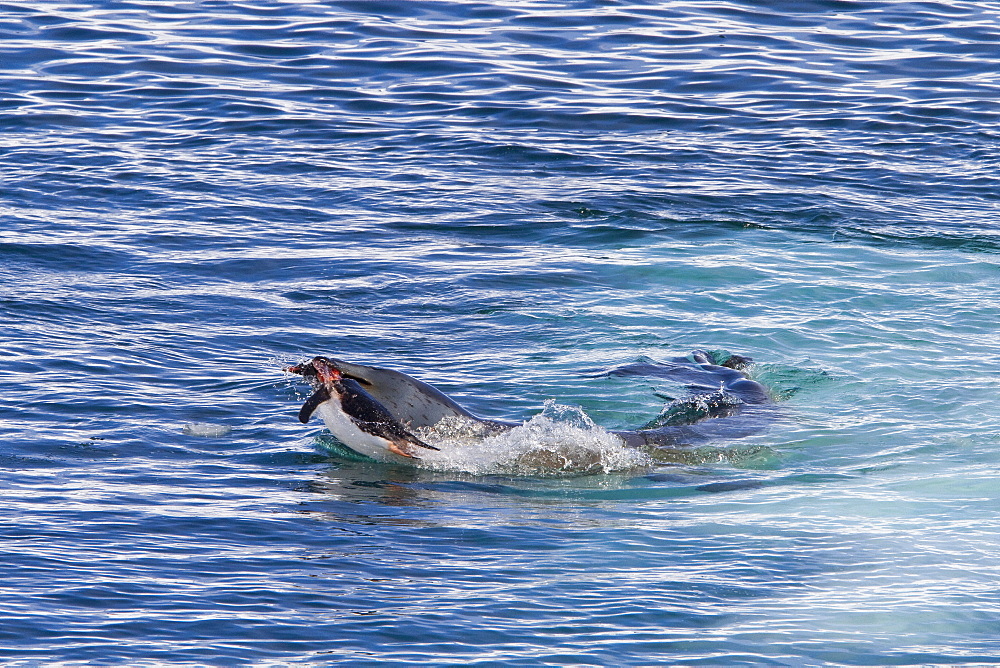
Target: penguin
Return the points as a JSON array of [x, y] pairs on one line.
[[354, 416]]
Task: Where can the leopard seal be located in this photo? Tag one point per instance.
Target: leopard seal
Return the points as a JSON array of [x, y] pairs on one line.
[[718, 384]]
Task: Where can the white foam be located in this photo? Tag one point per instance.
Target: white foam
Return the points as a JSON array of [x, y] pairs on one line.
[[561, 440], [206, 429]]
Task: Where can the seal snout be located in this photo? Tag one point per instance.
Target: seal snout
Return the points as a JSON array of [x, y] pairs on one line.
[[318, 368], [326, 371]]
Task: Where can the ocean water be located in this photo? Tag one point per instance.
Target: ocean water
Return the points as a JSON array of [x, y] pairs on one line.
[[504, 199]]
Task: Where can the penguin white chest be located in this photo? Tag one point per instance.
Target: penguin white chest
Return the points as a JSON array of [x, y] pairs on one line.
[[348, 433]]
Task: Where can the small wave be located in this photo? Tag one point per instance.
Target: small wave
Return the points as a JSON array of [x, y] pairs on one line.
[[206, 429], [561, 440]]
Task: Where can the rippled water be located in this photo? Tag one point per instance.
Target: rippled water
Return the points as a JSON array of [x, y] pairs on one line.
[[505, 200]]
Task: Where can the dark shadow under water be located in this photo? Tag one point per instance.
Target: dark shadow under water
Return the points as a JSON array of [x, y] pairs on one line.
[[724, 402]]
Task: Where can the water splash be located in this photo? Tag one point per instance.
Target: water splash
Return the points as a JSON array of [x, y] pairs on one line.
[[696, 408], [561, 440]]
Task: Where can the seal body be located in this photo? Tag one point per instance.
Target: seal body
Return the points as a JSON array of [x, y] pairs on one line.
[[411, 401], [720, 390]]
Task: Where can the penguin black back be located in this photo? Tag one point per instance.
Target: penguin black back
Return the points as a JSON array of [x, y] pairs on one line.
[[361, 406], [370, 415]]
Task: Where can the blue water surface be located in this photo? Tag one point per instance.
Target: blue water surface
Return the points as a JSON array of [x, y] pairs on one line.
[[506, 200]]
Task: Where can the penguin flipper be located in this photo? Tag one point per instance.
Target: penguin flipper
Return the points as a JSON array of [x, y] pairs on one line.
[[312, 403]]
